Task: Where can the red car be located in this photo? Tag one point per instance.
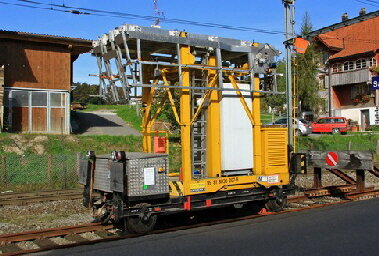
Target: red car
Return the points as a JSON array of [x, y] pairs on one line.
[[335, 125]]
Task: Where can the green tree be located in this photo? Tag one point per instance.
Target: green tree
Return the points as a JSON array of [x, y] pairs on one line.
[[83, 91], [167, 114], [306, 25], [306, 70]]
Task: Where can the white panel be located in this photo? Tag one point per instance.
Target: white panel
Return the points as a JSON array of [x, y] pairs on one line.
[[355, 114], [236, 131]]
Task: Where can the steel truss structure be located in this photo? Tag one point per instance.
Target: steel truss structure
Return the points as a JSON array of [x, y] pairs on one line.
[[200, 67]]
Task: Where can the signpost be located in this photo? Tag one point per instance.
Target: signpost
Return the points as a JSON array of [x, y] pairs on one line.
[[331, 159], [375, 83], [375, 86]]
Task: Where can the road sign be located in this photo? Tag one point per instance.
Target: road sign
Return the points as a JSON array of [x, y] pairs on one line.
[[375, 83], [331, 158]]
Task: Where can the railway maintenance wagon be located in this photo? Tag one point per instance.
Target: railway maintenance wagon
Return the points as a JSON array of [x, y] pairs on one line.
[[214, 86]]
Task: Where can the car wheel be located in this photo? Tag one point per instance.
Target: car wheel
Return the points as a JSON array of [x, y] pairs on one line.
[[298, 132], [336, 131]]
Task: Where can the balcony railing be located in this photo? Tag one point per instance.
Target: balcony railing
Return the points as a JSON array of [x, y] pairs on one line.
[[351, 77]]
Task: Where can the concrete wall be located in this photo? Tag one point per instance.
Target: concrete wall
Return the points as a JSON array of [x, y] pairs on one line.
[[355, 114]]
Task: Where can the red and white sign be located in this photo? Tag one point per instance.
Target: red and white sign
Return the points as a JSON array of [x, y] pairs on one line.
[[331, 158]]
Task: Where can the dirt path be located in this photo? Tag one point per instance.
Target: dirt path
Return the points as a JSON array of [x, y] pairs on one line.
[[103, 123]]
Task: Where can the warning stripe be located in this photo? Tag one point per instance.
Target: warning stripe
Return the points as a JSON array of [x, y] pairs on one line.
[[331, 159], [176, 188]]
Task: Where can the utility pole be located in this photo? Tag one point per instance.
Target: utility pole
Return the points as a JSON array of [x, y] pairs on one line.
[[289, 15]]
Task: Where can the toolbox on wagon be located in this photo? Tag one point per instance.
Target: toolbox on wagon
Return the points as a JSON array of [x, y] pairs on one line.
[[136, 175]]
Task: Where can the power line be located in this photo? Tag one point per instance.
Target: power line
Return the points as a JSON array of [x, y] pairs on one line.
[[90, 11], [372, 1], [363, 2]]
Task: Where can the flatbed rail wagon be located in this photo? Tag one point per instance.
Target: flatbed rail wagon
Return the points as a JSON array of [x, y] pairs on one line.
[[214, 86]]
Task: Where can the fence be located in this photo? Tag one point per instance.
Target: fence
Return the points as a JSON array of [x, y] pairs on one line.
[[38, 172]]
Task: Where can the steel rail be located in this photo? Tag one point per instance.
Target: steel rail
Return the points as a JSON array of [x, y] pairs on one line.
[[51, 232], [48, 233], [20, 198]]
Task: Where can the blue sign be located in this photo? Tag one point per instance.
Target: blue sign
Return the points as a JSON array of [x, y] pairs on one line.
[[375, 83]]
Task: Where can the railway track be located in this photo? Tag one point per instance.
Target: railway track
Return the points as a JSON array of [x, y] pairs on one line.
[[70, 236], [15, 198]]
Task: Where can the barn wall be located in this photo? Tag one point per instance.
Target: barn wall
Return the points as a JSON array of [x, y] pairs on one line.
[[36, 65]]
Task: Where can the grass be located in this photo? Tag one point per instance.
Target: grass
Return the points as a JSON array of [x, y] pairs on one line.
[[267, 118], [338, 142]]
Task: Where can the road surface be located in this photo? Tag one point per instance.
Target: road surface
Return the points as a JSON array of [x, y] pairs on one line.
[[348, 229], [103, 123]]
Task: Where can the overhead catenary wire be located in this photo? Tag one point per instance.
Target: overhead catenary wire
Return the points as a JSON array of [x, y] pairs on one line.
[[372, 1], [368, 3], [97, 12], [103, 13]]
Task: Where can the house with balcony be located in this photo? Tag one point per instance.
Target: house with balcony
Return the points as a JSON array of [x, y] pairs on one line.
[[350, 53]]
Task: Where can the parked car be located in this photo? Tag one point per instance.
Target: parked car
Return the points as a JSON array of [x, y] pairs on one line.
[[334, 125], [307, 116], [303, 128], [78, 105]]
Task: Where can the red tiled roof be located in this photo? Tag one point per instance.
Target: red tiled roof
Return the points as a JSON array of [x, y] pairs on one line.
[[361, 37]]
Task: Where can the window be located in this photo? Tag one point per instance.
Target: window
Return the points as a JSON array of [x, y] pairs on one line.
[[338, 120], [361, 63], [322, 121], [281, 121], [348, 65], [39, 99], [372, 62], [364, 63], [57, 99], [20, 99], [337, 68]]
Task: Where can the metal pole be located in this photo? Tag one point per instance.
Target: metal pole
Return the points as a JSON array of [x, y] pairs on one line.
[[330, 91], [289, 15]]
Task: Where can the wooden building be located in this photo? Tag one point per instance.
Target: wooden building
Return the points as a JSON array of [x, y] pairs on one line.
[[37, 80]]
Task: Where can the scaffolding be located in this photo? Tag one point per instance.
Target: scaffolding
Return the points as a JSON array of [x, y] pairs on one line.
[[202, 68]]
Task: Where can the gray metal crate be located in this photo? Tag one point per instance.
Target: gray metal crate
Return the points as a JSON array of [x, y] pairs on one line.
[[143, 174], [147, 174], [101, 179]]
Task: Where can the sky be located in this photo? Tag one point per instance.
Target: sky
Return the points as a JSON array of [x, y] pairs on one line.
[[268, 15]]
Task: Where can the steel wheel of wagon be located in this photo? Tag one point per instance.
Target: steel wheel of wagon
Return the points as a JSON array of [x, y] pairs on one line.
[[278, 203], [141, 224]]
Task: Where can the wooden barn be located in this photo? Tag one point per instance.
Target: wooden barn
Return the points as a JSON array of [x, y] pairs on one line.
[[38, 72]]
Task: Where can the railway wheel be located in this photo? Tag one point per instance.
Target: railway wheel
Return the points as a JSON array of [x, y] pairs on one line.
[[141, 224], [278, 203]]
